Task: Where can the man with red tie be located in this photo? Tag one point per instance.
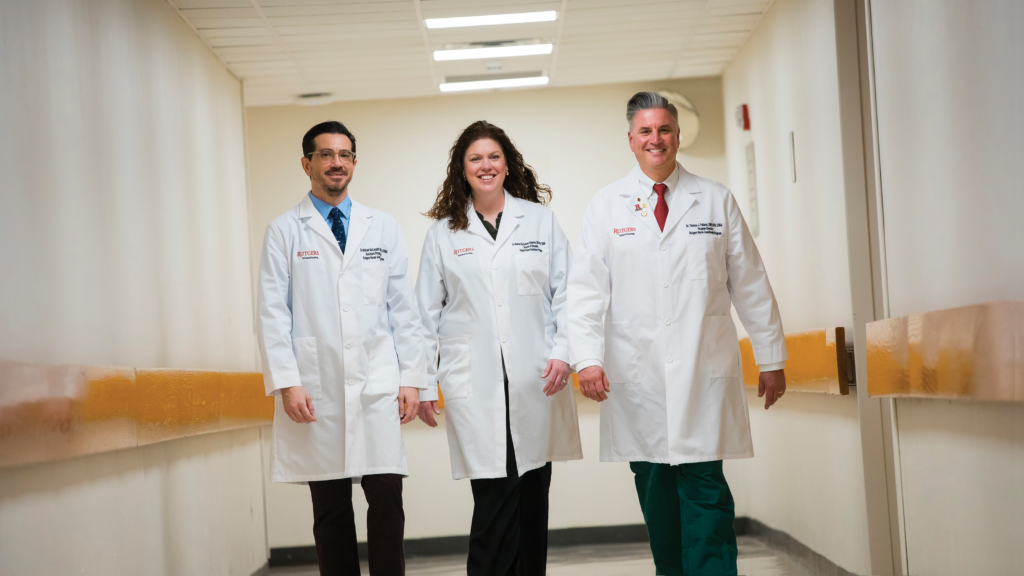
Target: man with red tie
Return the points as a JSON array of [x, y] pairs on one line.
[[662, 257]]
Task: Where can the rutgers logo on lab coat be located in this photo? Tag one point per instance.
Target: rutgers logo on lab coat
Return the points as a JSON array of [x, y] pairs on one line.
[[485, 300], [654, 308], [325, 322]]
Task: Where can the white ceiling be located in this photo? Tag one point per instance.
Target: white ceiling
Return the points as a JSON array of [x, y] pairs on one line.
[[362, 49]]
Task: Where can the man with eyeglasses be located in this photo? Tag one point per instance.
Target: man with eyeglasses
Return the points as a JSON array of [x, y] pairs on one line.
[[343, 354]]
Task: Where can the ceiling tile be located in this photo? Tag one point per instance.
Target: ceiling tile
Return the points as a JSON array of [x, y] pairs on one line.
[[357, 49]]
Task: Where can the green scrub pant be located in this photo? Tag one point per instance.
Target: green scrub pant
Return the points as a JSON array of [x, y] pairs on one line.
[[689, 514]]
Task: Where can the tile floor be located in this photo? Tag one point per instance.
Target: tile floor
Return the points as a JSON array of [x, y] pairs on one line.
[[755, 559]]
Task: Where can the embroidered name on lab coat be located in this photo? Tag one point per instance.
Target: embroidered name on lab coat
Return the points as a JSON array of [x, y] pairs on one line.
[[308, 255], [531, 246], [378, 254], [463, 251], [705, 229], [624, 231]]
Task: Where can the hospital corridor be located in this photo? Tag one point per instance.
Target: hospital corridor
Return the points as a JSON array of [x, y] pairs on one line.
[[511, 287]]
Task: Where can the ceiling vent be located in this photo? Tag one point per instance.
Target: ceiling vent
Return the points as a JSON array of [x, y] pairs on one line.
[[485, 77], [314, 98], [496, 43]]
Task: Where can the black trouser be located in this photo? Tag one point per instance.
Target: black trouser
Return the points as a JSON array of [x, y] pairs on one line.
[[334, 527], [509, 535]]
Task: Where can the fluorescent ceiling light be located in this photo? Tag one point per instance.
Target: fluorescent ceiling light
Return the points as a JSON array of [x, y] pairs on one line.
[[522, 18], [489, 84], [493, 52]]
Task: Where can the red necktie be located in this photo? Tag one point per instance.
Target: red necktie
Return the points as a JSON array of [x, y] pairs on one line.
[[661, 210]]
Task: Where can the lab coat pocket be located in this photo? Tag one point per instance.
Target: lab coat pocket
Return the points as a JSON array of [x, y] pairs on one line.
[[309, 366], [531, 272], [620, 363], [455, 371], [373, 282], [720, 348], [384, 376], [705, 258]]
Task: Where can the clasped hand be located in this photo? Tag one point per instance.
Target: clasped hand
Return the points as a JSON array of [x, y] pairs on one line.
[[594, 383]]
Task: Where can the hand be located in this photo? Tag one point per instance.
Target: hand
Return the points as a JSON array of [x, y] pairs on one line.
[[774, 384], [557, 373], [427, 411], [408, 403], [298, 405], [594, 383]]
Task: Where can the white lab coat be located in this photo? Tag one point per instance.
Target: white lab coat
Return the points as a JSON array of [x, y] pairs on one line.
[[482, 300], [345, 328], [654, 308]]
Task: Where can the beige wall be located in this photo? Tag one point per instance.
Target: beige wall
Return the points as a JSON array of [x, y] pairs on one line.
[[576, 139], [124, 206], [190, 506], [124, 241], [948, 79], [807, 478]]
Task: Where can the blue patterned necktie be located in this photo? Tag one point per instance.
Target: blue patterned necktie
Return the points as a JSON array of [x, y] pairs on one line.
[[338, 228]]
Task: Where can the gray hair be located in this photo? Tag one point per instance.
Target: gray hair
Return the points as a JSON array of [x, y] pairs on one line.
[[649, 101]]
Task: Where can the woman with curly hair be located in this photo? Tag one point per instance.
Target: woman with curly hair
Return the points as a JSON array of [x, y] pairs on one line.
[[491, 293]]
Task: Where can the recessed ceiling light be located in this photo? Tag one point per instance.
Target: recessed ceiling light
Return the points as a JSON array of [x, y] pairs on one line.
[[494, 19], [491, 84], [493, 52]]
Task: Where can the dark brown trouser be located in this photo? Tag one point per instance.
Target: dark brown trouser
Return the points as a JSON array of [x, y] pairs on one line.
[[334, 527]]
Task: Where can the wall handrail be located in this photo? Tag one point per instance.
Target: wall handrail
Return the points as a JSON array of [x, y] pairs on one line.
[[53, 412], [818, 362], [971, 352]]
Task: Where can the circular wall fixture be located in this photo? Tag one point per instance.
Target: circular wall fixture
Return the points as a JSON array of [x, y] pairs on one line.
[[689, 120]]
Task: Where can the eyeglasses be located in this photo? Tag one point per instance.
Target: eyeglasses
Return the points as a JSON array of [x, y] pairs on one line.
[[327, 156]]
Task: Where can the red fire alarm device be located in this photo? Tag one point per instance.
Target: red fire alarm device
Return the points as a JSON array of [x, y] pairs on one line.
[[742, 117]]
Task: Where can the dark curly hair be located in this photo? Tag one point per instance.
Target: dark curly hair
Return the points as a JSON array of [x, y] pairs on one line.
[[453, 196]]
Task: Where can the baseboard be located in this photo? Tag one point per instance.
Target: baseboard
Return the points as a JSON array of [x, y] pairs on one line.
[[627, 533], [779, 540], [452, 545]]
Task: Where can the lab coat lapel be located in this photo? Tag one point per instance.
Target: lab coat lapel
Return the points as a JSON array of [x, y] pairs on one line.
[[476, 226], [315, 221], [686, 193], [359, 223], [484, 243], [510, 217], [633, 191]]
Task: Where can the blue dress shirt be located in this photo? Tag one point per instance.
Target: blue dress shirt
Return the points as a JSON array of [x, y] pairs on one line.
[[325, 210]]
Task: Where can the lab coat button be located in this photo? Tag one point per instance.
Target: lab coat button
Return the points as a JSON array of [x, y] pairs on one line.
[[665, 284], [504, 339], [667, 321], [664, 247], [669, 360], [495, 266], [348, 346], [499, 302], [344, 308]]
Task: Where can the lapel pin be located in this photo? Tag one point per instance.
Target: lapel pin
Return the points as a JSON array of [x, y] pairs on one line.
[[644, 213]]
